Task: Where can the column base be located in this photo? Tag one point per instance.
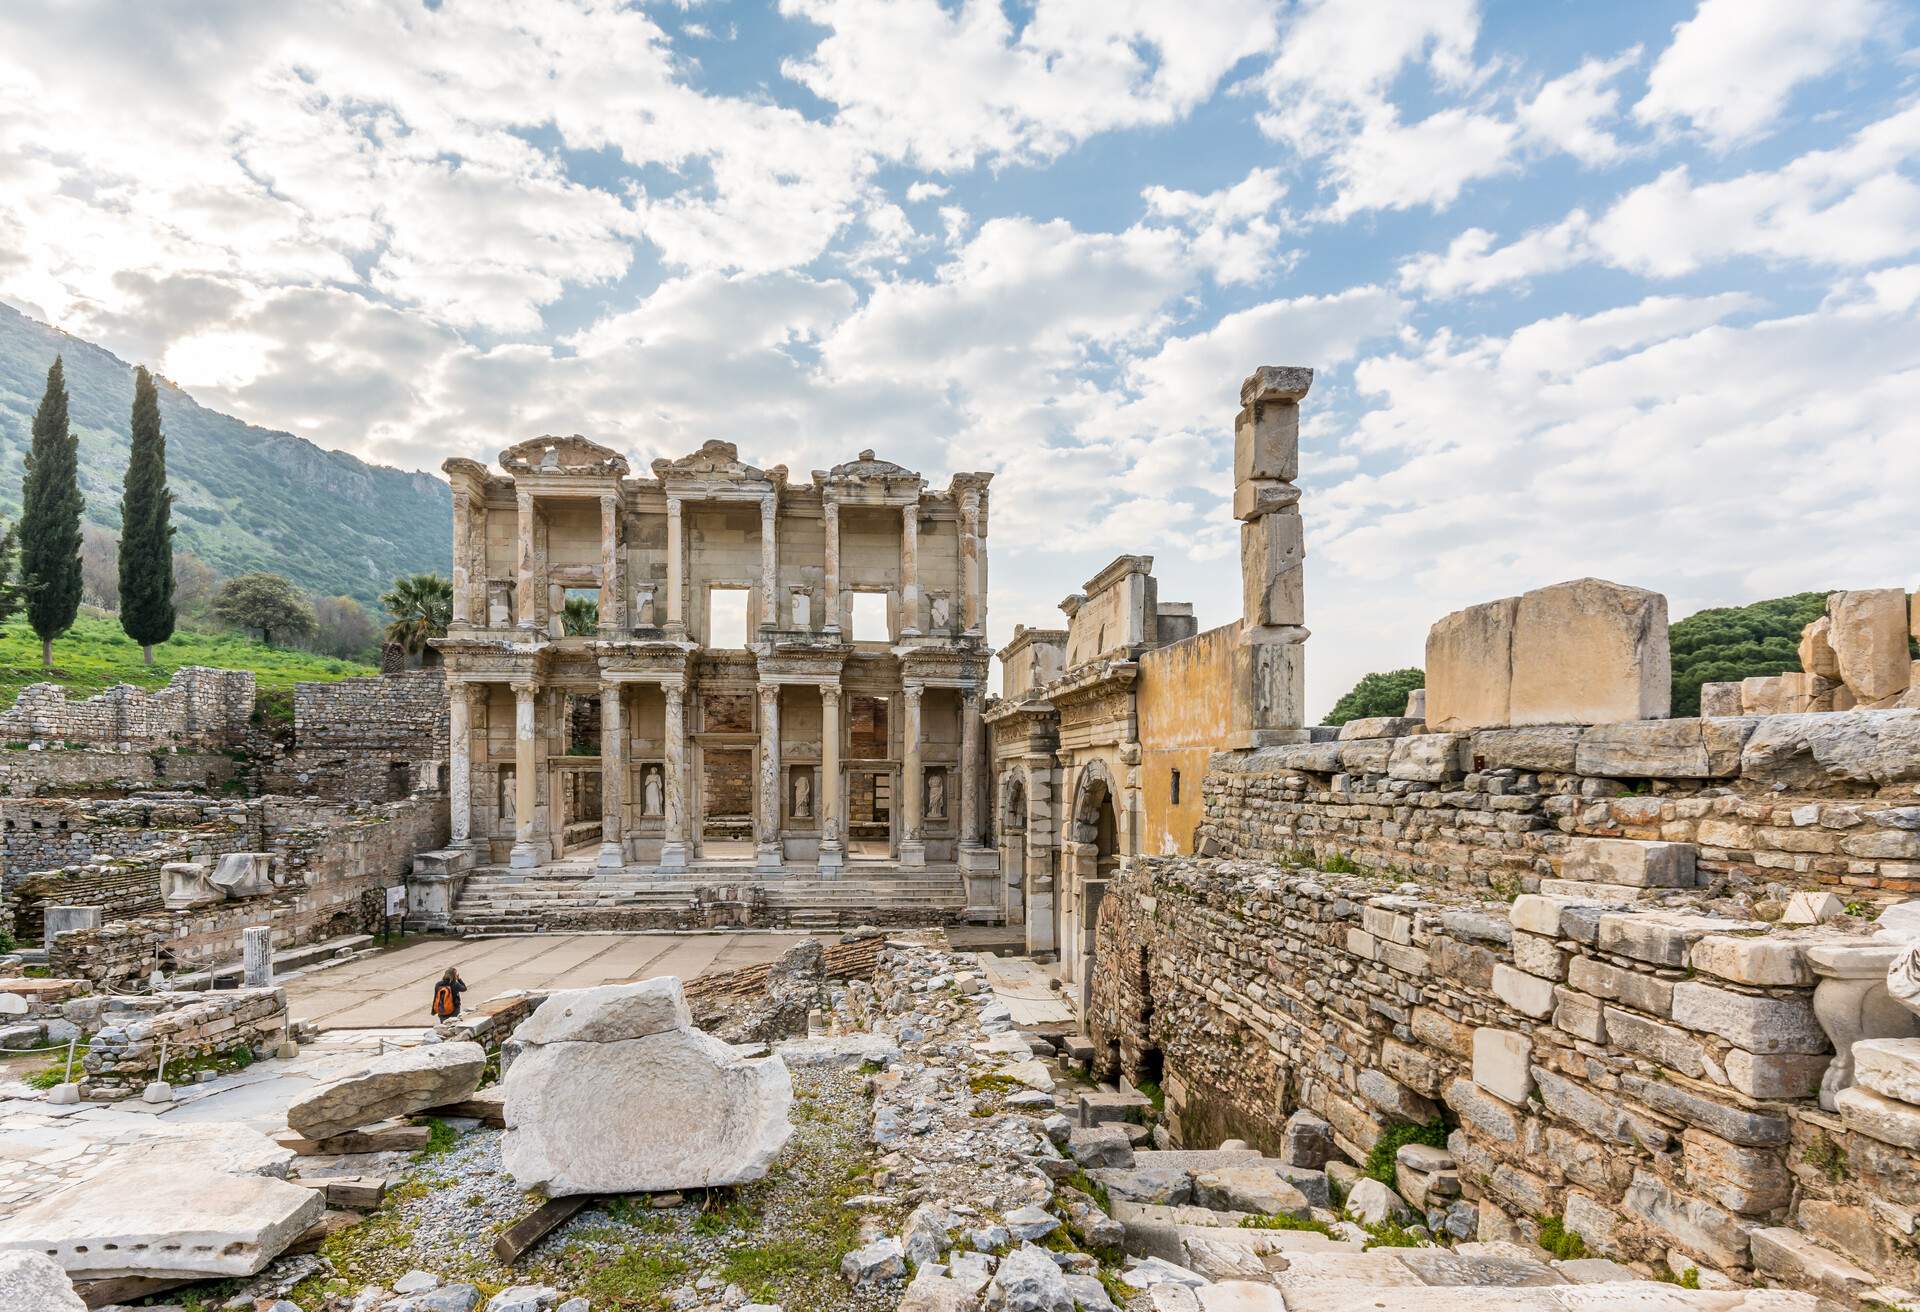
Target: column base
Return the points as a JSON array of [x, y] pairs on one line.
[[673, 856], [831, 861], [767, 860], [613, 856], [913, 853], [525, 856]]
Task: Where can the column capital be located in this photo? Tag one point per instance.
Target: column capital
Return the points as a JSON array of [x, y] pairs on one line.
[[767, 690], [830, 693], [830, 508], [525, 687], [673, 503]]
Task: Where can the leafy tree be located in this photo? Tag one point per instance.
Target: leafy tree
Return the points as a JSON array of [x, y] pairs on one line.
[[1729, 643], [146, 526], [99, 568], [10, 589], [581, 617], [343, 629], [265, 602], [421, 606], [1380, 693], [194, 585], [50, 519]]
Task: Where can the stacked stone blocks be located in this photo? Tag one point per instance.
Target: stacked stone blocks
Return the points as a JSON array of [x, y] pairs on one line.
[[1270, 669], [1858, 654]]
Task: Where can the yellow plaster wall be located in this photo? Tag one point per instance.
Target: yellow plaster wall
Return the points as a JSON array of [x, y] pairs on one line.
[[1185, 695]]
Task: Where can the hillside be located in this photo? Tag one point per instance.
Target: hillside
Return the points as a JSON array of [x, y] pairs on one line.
[[95, 655], [1729, 643], [245, 498]]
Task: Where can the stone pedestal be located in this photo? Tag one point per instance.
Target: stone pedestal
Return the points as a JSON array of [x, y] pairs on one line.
[[1851, 1003], [435, 886], [257, 956]]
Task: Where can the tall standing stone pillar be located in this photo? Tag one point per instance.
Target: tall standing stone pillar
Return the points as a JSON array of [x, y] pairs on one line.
[[832, 849], [973, 563], [970, 767], [613, 602], [524, 855], [913, 788], [831, 512], [256, 956], [910, 570], [523, 554], [673, 845], [768, 855], [459, 766], [462, 564], [769, 562], [676, 571], [613, 781], [1269, 684]]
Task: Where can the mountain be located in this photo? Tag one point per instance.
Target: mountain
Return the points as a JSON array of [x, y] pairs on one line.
[[245, 498]]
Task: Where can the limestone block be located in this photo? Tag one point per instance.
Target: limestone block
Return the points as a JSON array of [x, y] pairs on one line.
[[1604, 1118], [1863, 1111], [635, 1107], [1366, 755], [1665, 749], [1528, 994], [1272, 554], [1764, 961], [1417, 705], [1469, 667], [1276, 382], [1811, 907], [1256, 1189], [1697, 1227], [1579, 1015], [1630, 863], [1662, 938], [1816, 649], [1755, 1022], [1859, 746], [1537, 913], [1641, 991], [1266, 442], [1539, 747], [1668, 1047], [1379, 726], [1751, 1181], [1589, 652], [1889, 1067], [1776, 1074], [1369, 1202], [1592, 1222], [1770, 694], [1868, 632], [1255, 497], [1536, 954], [1476, 1107], [1100, 1145], [1720, 699], [397, 1084], [1783, 1254], [1502, 1062], [1306, 1141], [35, 1281], [1432, 758], [1269, 682], [243, 874], [1394, 1098]]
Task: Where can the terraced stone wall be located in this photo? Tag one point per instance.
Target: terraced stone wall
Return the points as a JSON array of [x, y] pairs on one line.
[[199, 707]]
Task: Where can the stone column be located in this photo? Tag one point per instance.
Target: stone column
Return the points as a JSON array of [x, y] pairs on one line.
[[910, 570], [256, 956], [769, 562], [768, 854], [831, 510], [676, 572], [973, 564], [613, 781], [524, 855], [459, 764], [913, 785], [1269, 675], [613, 602], [673, 846], [970, 767], [523, 607], [462, 565], [832, 850]]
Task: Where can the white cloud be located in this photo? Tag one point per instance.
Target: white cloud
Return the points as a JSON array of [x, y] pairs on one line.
[[1233, 231], [1472, 263], [920, 191], [1732, 67], [1393, 165], [1569, 112]]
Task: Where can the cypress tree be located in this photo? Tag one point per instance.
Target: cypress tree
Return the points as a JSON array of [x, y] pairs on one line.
[[146, 526], [50, 519]]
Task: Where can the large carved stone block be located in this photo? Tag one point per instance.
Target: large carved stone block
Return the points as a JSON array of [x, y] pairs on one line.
[[1269, 685], [1469, 667], [1869, 636], [1590, 652], [1266, 442], [1816, 649], [1272, 555]]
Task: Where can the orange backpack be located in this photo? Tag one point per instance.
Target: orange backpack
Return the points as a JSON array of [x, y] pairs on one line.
[[443, 1003]]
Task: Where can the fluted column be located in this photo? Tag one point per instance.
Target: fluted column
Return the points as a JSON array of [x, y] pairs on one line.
[[523, 607], [459, 763], [676, 571], [832, 849], [768, 854], [613, 781], [970, 767], [769, 562], [831, 510], [913, 787], [462, 564], [524, 855], [973, 563], [673, 846], [910, 570], [613, 602]]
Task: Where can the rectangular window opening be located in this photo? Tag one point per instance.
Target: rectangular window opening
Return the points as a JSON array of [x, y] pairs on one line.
[[727, 627], [1176, 787], [870, 617]]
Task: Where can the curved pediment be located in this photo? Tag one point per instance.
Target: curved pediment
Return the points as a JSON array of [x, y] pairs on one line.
[[563, 455], [716, 462]]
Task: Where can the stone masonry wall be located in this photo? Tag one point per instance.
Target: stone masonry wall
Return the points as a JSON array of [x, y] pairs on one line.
[[1647, 1073], [198, 707], [61, 771], [366, 739], [125, 1053]]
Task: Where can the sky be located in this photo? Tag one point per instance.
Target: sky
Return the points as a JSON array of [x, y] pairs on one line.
[[1625, 290]]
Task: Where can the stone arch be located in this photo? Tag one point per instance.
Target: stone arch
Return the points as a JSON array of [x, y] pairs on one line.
[[1012, 817], [1096, 819]]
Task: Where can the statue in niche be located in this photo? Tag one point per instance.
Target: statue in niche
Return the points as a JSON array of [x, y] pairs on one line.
[[802, 795], [650, 801], [643, 615], [942, 611], [936, 794], [509, 803]]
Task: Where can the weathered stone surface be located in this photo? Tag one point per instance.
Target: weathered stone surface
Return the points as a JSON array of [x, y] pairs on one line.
[[1603, 1118], [1370, 1202], [1785, 1254], [666, 1109], [1718, 699], [875, 1262], [1100, 1145], [1816, 650], [1589, 652], [1539, 747], [1776, 1075], [1394, 1098], [1868, 633], [1631, 863], [34, 1282], [1663, 938], [1753, 1181], [1501, 1063], [1028, 1280], [1528, 994], [1763, 961], [1668, 1047], [1306, 1140], [1469, 667], [1858, 746], [1537, 955], [1259, 1189], [1641, 991], [1697, 1227], [1272, 553], [1866, 1112], [1665, 749], [1430, 758], [1889, 1067], [1755, 1022], [1758, 1129], [165, 1219], [397, 1084], [1489, 1115]]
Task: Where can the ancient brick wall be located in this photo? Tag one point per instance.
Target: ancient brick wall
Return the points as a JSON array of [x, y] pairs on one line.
[[126, 1052], [60, 771], [1807, 800], [1647, 1075], [365, 740], [198, 707]]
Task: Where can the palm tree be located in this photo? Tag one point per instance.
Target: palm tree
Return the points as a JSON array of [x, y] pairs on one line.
[[581, 617], [421, 606]]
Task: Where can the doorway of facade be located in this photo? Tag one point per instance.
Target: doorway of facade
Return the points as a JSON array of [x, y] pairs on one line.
[[726, 803], [870, 811]]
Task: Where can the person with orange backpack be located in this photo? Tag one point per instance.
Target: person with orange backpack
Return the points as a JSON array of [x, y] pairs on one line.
[[446, 995]]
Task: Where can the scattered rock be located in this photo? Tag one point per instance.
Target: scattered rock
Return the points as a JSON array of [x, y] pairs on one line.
[[397, 1084], [34, 1282]]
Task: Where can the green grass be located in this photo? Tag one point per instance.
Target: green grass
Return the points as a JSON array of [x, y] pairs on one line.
[[1380, 1161], [94, 655], [1560, 1241], [1390, 1234], [1285, 1222]]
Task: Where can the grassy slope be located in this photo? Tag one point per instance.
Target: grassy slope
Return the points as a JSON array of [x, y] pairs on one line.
[[245, 498], [95, 655]]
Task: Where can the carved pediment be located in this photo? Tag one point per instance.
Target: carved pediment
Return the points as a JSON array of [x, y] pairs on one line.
[[868, 470], [563, 455], [716, 462]]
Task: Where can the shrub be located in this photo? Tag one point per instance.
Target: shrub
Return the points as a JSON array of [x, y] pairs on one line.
[[1380, 1162]]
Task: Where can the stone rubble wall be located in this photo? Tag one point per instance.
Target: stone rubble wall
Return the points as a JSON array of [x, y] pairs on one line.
[[60, 771], [1646, 1073], [1824, 800], [334, 867], [126, 1050], [199, 707], [373, 739]]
